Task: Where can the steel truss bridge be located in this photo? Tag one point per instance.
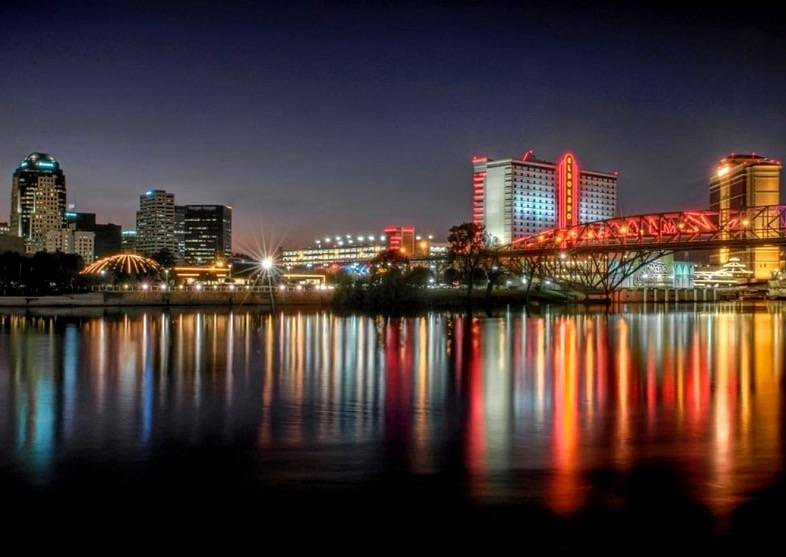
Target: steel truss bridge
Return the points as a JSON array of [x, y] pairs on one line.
[[598, 257]]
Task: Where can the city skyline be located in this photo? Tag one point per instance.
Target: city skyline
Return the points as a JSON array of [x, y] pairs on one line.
[[382, 118]]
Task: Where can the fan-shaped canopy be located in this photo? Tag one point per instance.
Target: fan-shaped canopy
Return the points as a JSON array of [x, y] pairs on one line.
[[125, 263]]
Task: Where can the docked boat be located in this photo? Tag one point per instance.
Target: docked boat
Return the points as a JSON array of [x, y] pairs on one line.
[[732, 273]]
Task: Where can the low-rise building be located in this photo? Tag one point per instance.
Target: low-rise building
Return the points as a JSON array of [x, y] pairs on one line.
[[348, 249], [335, 250]]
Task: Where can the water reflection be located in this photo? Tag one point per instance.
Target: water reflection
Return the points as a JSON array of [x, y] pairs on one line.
[[520, 407]]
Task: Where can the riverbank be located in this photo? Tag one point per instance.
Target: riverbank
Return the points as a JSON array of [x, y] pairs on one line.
[[417, 299], [312, 298]]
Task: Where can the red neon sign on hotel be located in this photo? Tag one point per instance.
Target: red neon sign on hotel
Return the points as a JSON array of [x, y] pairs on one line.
[[567, 191]]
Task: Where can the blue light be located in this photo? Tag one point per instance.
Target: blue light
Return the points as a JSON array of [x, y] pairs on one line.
[[148, 193], [45, 164]]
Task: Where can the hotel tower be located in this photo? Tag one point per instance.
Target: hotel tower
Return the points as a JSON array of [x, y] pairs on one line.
[[513, 198]]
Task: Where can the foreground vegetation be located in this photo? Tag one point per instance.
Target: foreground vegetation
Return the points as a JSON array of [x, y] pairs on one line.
[[475, 274]]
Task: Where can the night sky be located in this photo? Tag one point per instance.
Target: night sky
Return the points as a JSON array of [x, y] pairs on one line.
[[316, 118]]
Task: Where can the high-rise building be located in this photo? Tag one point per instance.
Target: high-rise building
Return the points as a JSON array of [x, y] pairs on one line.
[[739, 182], [80, 221], [208, 233], [180, 232], [108, 239], [71, 240], [513, 198], [38, 200], [128, 241], [155, 223]]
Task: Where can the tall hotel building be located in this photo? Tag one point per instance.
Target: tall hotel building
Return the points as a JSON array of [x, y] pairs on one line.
[[513, 198], [155, 223], [742, 181], [38, 200]]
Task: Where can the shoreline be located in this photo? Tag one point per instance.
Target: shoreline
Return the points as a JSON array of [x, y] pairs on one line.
[[427, 299], [167, 299]]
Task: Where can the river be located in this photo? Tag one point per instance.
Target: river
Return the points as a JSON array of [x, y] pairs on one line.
[[558, 412]]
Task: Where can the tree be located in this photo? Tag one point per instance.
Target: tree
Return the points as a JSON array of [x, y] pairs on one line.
[[419, 277], [467, 251], [164, 258]]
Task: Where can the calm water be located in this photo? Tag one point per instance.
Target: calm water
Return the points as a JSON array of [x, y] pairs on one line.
[[498, 410]]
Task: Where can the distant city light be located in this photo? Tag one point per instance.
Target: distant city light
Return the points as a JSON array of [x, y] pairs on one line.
[[266, 263], [723, 170]]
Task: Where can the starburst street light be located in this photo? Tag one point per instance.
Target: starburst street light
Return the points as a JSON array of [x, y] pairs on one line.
[[267, 268]]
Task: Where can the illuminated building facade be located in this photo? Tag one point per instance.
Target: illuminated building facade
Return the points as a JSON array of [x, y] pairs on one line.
[[401, 239], [335, 250], [207, 233], [513, 198], [155, 223], [70, 240], [348, 249], [214, 273], [38, 200], [742, 181]]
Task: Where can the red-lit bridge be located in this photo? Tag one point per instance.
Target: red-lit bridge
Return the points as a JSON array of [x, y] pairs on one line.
[[599, 256], [675, 231]]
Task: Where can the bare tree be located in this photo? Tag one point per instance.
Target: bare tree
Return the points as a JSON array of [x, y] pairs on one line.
[[468, 251]]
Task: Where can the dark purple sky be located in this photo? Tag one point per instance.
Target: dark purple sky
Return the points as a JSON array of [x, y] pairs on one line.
[[312, 119]]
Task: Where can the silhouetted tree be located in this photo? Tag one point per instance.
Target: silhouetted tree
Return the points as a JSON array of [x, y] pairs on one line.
[[419, 276], [467, 251], [41, 273], [164, 257]]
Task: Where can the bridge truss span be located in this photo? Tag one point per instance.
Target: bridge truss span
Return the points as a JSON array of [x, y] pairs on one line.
[[673, 231], [598, 257]]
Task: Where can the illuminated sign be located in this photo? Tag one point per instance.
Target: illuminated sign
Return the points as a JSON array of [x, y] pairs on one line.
[[567, 191]]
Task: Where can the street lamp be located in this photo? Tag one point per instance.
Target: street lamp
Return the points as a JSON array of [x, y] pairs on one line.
[[267, 265]]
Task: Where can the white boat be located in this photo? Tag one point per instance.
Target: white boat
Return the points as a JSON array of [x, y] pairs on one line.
[[731, 273]]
